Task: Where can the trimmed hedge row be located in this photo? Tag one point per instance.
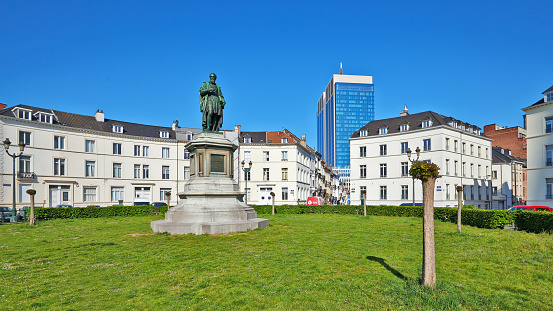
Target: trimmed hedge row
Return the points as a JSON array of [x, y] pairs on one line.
[[96, 212], [536, 222], [489, 219]]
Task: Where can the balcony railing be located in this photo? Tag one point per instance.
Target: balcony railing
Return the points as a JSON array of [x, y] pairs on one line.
[[549, 196], [549, 163], [26, 175]]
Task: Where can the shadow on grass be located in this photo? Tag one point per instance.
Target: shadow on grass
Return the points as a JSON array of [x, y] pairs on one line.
[[387, 266]]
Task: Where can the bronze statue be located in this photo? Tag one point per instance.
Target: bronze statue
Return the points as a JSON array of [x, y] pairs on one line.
[[212, 104]]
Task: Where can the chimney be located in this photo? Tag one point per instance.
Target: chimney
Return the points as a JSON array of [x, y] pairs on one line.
[[303, 137], [3, 106], [237, 128], [175, 125], [99, 115], [341, 72], [405, 111]]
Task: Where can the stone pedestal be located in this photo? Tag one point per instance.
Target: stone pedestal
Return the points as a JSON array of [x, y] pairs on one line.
[[210, 202]]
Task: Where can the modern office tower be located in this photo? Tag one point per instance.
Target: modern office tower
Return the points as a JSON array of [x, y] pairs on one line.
[[346, 105]]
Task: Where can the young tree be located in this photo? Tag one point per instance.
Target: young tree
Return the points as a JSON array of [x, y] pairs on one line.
[[459, 190], [427, 173]]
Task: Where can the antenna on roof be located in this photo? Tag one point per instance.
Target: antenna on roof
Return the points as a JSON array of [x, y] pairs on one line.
[[341, 71]]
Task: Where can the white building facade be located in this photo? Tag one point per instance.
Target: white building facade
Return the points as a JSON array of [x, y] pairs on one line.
[[539, 125], [507, 179], [380, 164], [79, 160]]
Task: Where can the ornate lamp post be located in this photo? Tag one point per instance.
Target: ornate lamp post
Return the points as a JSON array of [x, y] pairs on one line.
[[7, 144], [246, 171], [418, 151]]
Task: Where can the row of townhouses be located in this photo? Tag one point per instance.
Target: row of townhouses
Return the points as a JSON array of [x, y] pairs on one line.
[[78, 160]]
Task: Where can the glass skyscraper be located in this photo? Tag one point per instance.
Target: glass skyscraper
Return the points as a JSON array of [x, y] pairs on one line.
[[346, 105]]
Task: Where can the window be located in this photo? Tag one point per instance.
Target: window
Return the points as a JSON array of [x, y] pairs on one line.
[[494, 190], [265, 174], [404, 147], [117, 129], [472, 192], [25, 137], [364, 133], [362, 152], [548, 124], [186, 154], [456, 193], [426, 123], [471, 149], [136, 151], [363, 171], [455, 168], [383, 170], [90, 169], [447, 144], [22, 113], [44, 117], [471, 170], [248, 175], [165, 172], [284, 194], [247, 140], [59, 142], [404, 169], [284, 140], [247, 157], [24, 164], [479, 171], [464, 148], [186, 173], [116, 170], [479, 151], [549, 155], [404, 127], [265, 155], [427, 145], [455, 145], [165, 153], [59, 167], [284, 155], [486, 153], [405, 192], [447, 166], [548, 97], [464, 172], [116, 148], [89, 145], [447, 196], [145, 151], [164, 134], [89, 194], [284, 174], [137, 171], [494, 174], [363, 194], [383, 130], [383, 150], [549, 188], [162, 196], [145, 171], [117, 193], [383, 193]]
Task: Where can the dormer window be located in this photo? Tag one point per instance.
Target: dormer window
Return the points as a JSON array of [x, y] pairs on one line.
[[383, 130], [284, 140], [453, 124], [548, 97], [426, 123], [404, 127], [363, 133], [247, 140], [117, 129], [44, 117], [188, 136], [22, 113], [163, 134]]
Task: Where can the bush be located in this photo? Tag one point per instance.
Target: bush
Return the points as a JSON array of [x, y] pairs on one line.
[[96, 212], [489, 219], [536, 222]]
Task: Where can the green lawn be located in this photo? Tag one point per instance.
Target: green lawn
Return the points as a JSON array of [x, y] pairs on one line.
[[300, 262]]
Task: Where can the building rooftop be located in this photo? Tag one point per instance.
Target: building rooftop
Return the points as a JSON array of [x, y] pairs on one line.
[[500, 155]]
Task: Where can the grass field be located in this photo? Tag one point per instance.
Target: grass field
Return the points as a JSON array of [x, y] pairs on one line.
[[300, 262]]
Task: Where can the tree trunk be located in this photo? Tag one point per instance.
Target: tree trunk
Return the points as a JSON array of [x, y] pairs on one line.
[[459, 204], [32, 217], [428, 252]]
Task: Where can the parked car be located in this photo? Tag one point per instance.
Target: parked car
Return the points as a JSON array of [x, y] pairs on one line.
[[6, 213], [159, 204], [64, 205], [410, 204], [534, 208]]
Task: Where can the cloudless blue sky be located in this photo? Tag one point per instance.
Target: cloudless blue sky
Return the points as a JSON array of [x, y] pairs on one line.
[[144, 61]]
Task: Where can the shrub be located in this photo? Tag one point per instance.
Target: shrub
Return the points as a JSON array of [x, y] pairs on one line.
[[536, 222], [95, 212]]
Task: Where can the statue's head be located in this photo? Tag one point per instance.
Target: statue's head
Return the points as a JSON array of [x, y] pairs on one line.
[[212, 77]]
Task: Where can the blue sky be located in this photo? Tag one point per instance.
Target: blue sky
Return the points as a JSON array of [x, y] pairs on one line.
[[144, 61]]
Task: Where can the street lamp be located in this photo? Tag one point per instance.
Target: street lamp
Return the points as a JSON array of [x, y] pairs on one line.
[[418, 151], [7, 144], [246, 171]]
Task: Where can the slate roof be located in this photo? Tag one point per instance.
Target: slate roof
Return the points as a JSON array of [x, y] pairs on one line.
[[414, 121], [498, 157], [89, 122], [257, 137], [548, 90]]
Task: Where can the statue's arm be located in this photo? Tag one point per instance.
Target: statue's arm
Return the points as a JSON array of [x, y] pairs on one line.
[[221, 98], [203, 89]]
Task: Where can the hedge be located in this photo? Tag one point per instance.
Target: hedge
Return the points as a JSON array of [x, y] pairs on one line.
[[536, 222], [480, 218], [96, 212]]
